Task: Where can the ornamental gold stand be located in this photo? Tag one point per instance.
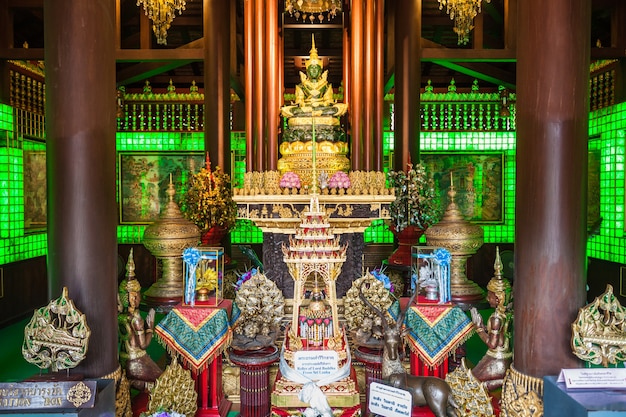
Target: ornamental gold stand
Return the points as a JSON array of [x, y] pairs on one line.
[[462, 239], [166, 239]]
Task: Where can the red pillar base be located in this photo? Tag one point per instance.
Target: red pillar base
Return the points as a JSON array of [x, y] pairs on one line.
[[211, 400], [254, 379]]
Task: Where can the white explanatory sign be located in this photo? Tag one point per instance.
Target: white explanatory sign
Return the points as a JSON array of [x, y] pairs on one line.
[[593, 378], [389, 401], [316, 364]]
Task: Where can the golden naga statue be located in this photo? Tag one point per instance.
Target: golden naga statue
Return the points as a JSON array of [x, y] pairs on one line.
[[314, 94], [496, 334]]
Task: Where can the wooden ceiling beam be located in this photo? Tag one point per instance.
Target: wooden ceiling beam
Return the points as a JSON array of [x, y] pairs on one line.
[[482, 71], [157, 61], [193, 51]]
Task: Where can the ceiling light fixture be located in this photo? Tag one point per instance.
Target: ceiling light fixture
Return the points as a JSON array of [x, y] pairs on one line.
[[463, 13], [162, 13], [313, 10]]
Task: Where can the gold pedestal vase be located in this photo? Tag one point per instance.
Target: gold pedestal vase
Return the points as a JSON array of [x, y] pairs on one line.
[[166, 239], [462, 239]]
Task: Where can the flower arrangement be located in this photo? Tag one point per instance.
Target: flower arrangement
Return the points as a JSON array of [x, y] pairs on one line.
[[416, 203], [208, 201], [339, 180], [290, 180], [208, 280]]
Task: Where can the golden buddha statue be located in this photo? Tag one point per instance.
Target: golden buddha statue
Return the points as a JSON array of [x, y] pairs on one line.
[[496, 334], [314, 94], [313, 122]]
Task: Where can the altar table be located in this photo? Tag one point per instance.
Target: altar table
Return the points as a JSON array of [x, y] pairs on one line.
[[435, 332], [197, 336]]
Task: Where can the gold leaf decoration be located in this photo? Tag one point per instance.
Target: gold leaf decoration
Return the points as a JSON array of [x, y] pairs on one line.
[[57, 336]]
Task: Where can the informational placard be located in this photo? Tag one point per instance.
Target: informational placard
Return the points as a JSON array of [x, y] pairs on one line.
[[593, 378], [389, 401], [316, 364], [36, 395]]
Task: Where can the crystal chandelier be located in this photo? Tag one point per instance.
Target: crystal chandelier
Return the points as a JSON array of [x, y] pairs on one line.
[[313, 10], [463, 13], [162, 13]]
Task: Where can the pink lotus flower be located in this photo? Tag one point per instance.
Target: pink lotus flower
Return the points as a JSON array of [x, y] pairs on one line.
[[339, 180], [290, 180]]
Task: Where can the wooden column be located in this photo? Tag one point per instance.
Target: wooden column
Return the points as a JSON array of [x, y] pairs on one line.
[[356, 85], [216, 18], [379, 85], [248, 46], [408, 29], [80, 132], [552, 128], [368, 84], [259, 96], [273, 103], [346, 70]]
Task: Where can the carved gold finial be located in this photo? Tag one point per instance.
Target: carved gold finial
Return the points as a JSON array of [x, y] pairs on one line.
[[313, 57], [498, 284], [130, 265], [132, 285], [497, 265]]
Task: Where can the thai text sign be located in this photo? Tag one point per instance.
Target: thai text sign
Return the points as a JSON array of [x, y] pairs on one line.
[[36, 395], [389, 401], [593, 378], [316, 364]]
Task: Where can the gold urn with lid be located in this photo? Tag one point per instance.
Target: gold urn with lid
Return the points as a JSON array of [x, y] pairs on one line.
[[462, 239], [166, 239]]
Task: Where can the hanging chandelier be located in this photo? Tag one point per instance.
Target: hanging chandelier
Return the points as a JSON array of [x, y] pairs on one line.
[[313, 10], [463, 13], [162, 13]]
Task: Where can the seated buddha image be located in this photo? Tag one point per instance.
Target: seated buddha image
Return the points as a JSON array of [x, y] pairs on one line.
[[314, 94], [313, 126]]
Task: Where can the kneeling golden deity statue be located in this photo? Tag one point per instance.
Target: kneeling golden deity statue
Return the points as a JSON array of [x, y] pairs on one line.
[[313, 121]]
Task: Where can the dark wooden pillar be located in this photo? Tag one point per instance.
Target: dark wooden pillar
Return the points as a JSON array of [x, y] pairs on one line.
[[80, 132], [408, 29], [552, 127], [217, 82]]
